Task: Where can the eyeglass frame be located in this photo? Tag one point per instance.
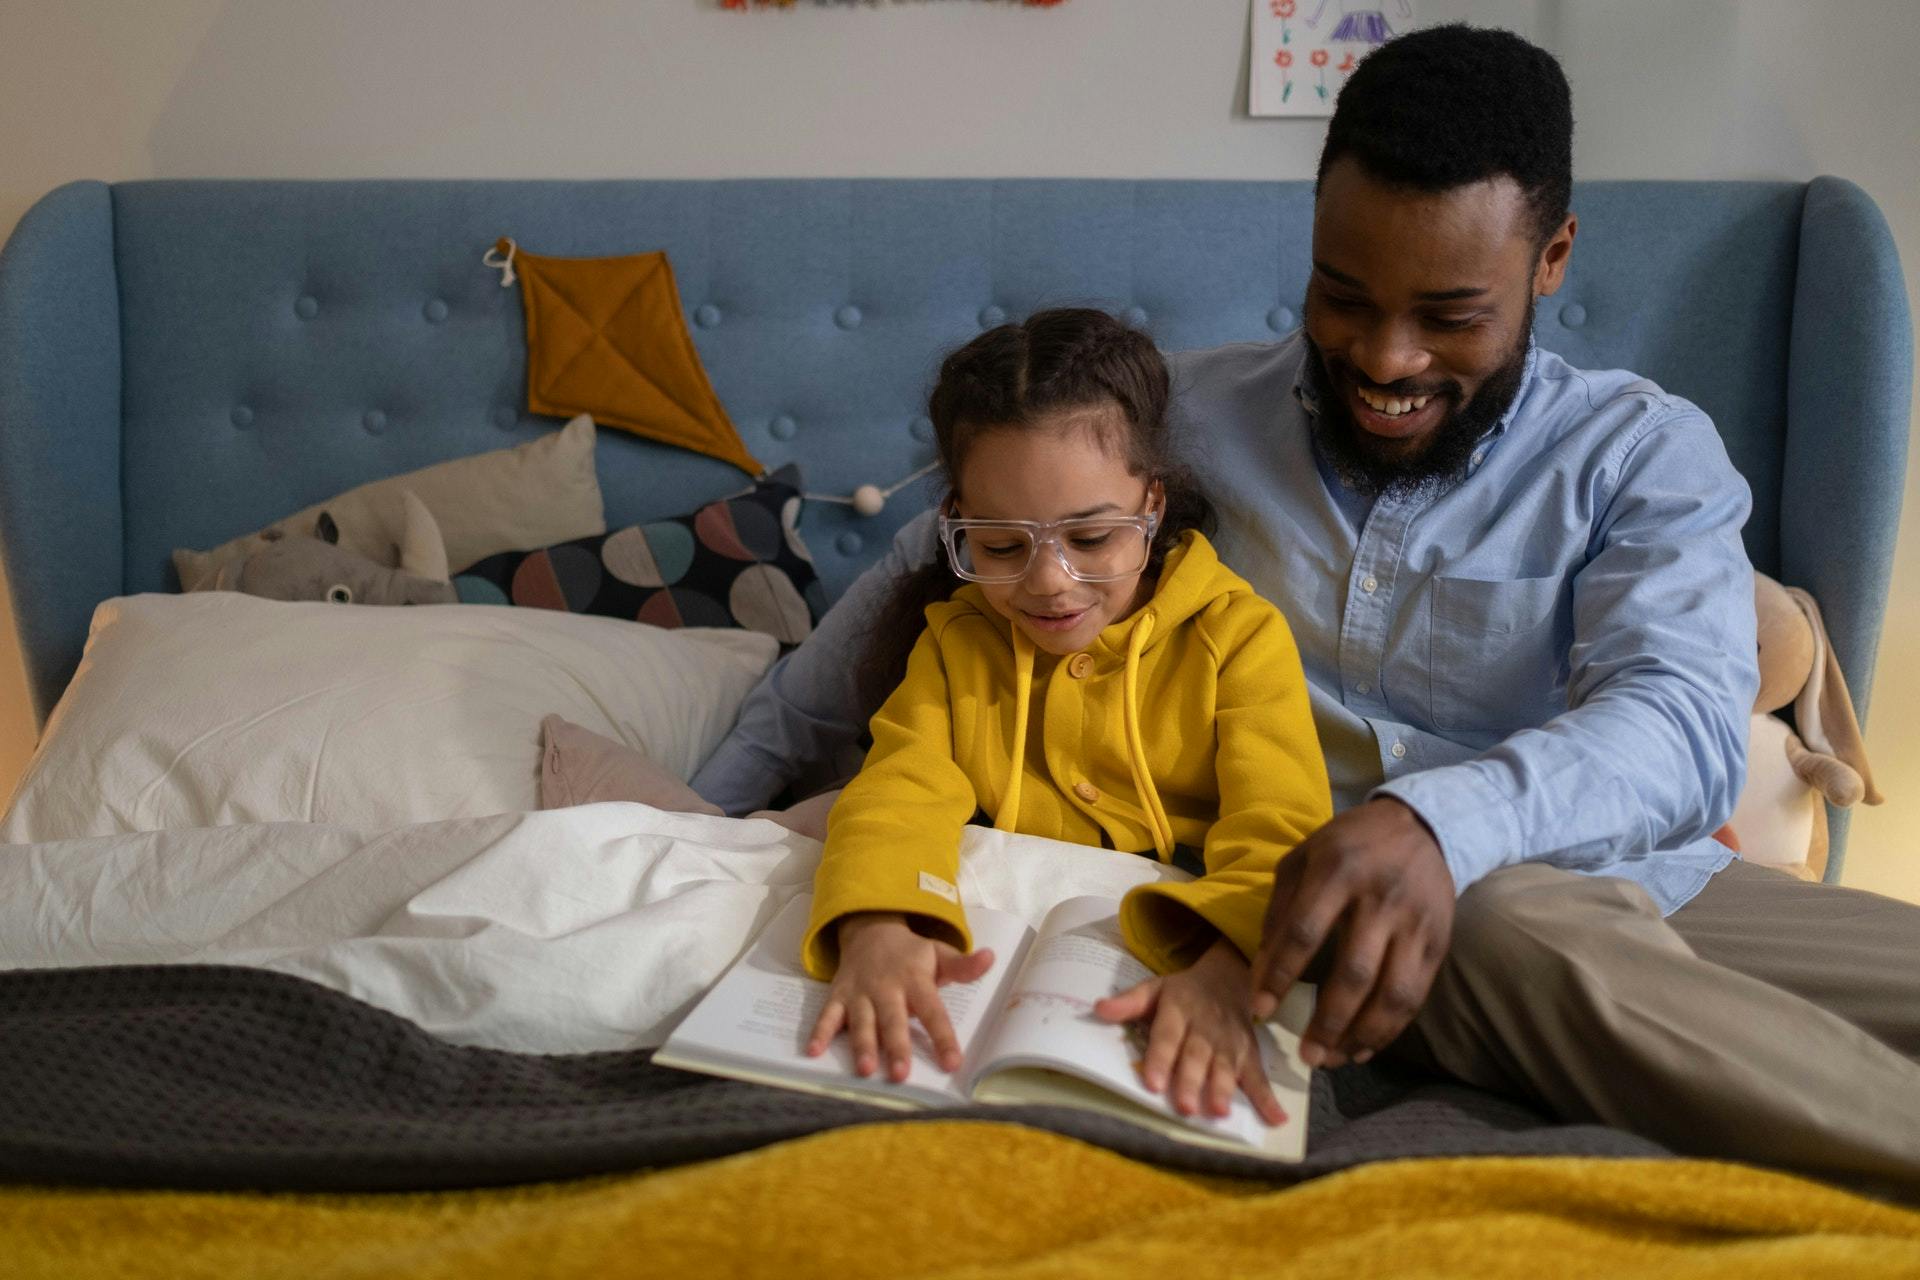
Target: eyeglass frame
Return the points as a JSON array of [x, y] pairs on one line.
[[1046, 533]]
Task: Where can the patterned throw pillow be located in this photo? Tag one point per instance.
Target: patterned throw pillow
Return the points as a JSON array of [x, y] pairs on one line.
[[736, 562]]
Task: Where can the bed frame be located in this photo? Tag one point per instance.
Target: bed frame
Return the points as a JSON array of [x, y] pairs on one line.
[[183, 361]]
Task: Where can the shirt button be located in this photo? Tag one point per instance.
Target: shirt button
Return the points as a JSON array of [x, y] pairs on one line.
[[1399, 750], [1363, 688], [1369, 584], [1086, 791], [1080, 666], [1479, 455]]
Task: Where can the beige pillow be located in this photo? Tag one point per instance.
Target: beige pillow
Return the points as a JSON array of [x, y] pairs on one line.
[[543, 492]]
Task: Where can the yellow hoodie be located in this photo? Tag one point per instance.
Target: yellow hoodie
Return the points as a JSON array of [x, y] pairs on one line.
[[1186, 723]]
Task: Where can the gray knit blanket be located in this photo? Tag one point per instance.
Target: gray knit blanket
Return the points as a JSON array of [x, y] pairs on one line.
[[217, 1077]]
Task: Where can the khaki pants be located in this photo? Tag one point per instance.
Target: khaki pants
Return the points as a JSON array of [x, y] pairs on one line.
[[1769, 1020]]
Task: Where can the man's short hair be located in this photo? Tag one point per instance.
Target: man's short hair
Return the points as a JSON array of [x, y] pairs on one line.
[[1450, 105]]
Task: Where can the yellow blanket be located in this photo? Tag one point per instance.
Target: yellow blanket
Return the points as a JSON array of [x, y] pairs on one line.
[[960, 1199]]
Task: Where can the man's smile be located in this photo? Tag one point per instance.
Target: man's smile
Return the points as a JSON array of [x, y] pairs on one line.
[[1393, 406], [1396, 417]]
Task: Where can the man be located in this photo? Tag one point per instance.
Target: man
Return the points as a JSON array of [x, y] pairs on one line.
[[1526, 615]]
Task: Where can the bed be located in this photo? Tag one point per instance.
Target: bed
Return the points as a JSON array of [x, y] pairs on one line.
[[264, 866]]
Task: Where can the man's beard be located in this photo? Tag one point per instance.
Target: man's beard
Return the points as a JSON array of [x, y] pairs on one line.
[[1377, 467]]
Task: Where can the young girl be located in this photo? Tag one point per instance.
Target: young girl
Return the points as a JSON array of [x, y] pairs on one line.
[[1089, 671]]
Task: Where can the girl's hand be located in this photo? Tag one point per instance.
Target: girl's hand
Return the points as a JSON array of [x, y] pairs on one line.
[[888, 975], [1202, 1043]]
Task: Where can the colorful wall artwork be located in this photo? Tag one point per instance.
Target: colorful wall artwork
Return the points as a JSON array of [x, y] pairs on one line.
[[1303, 50]]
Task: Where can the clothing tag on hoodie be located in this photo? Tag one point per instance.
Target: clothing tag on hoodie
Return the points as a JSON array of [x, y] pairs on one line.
[[933, 884]]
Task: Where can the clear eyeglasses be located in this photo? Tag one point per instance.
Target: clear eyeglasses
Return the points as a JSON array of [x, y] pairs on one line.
[[1092, 549]]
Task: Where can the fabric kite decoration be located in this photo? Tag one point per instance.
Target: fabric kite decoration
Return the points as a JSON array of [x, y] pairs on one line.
[[607, 337]]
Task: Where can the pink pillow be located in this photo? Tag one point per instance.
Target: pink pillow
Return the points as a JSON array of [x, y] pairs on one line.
[[579, 766], [808, 818]]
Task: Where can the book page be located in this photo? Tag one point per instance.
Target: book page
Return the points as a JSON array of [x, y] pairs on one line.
[[755, 1022], [1048, 1024]]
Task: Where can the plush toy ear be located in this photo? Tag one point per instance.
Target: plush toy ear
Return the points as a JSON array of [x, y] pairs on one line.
[[326, 530], [1786, 644], [1823, 712], [423, 552]]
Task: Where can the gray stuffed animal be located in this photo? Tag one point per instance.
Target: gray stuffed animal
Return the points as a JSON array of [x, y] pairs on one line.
[[317, 568]]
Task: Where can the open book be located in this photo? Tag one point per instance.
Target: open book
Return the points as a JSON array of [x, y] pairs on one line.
[[1026, 1029]]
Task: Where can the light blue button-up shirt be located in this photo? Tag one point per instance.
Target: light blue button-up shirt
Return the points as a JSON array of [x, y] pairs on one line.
[[1550, 659]]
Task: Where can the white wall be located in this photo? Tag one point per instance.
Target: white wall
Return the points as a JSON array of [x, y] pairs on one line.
[[1124, 88]]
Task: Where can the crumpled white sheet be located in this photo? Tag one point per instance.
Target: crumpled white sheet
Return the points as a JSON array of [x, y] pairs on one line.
[[562, 931]]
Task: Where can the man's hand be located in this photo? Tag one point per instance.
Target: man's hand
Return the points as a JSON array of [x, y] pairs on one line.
[[1374, 878]]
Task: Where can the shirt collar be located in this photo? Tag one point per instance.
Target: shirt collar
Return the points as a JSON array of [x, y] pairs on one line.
[[1519, 393]]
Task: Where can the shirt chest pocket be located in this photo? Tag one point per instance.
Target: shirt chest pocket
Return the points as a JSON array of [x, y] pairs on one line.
[[1497, 652]]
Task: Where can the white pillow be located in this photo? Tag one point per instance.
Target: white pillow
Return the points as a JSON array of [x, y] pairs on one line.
[[217, 708]]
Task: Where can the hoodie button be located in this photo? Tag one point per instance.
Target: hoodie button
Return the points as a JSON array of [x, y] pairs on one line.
[[1086, 791], [1080, 666]]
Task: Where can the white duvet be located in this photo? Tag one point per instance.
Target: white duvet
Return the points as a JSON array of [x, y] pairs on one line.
[[561, 931]]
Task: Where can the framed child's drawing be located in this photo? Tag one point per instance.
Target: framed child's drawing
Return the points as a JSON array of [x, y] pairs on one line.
[[1303, 50]]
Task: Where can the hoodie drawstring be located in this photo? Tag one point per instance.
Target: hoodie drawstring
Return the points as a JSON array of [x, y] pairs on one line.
[[1022, 701], [1156, 814]]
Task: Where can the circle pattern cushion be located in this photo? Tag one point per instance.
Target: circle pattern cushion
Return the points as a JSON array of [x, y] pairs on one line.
[[649, 555], [736, 562]]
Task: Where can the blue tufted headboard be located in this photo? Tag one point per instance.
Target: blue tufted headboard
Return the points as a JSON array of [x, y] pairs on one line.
[[183, 361]]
